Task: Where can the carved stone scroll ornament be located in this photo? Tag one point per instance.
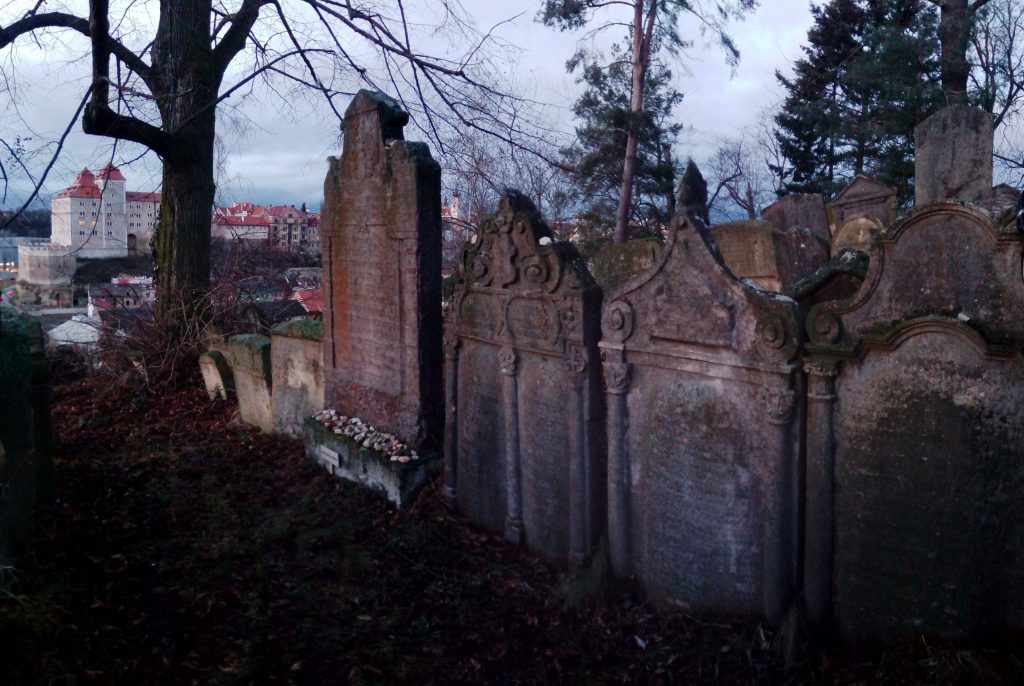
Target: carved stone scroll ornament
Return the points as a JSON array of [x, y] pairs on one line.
[[771, 333], [507, 359], [779, 405], [616, 377], [575, 364], [617, 321], [824, 327], [451, 347]]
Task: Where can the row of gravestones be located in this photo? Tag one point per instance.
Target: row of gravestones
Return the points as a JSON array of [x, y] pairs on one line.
[[861, 457], [873, 465]]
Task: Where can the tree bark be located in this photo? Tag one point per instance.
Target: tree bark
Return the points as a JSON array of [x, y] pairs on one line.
[[182, 240], [190, 78], [642, 36], [955, 18]]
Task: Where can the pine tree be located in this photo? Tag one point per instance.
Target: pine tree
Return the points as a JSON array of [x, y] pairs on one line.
[[604, 114], [869, 75]]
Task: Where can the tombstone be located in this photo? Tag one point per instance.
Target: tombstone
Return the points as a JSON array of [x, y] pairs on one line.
[[915, 435], [773, 259], [953, 156], [381, 242], [856, 234], [26, 436], [703, 401], [799, 210], [523, 442], [296, 358], [748, 248], [862, 206], [1002, 201], [218, 380], [248, 355], [616, 263]]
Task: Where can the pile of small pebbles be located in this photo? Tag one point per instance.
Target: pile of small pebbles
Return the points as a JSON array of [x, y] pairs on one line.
[[366, 435]]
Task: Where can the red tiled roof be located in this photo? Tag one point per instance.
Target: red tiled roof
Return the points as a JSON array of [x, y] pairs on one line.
[[311, 298], [111, 172], [139, 196], [84, 186], [232, 220]]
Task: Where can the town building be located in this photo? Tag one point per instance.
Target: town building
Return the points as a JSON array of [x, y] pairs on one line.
[[281, 227], [455, 233]]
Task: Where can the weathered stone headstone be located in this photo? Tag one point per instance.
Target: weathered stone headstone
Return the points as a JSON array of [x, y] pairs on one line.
[[702, 401], [381, 242], [915, 435], [523, 448], [861, 210], [774, 259], [857, 234], [799, 210], [748, 249], [26, 435], [953, 156], [619, 262], [249, 358], [296, 360], [218, 379]]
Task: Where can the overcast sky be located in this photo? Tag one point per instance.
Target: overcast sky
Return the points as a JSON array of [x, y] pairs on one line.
[[276, 154]]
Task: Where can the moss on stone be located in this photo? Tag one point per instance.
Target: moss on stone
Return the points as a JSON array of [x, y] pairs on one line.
[[617, 263], [309, 329], [254, 341]]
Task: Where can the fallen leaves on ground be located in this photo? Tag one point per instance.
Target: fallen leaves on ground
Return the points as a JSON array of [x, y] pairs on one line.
[[187, 548]]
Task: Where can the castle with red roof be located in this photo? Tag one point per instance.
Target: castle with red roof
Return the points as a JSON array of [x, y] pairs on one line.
[[96, 217]]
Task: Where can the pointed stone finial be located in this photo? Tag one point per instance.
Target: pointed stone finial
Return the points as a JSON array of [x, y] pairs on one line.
[[693, 193]]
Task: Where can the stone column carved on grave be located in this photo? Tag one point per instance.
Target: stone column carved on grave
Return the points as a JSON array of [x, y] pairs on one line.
[[451, 424], [513, 474], [780, 563], [819, 505], [579, 469], [616, 379]]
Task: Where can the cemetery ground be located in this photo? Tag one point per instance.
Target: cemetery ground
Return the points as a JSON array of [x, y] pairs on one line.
[[189, 548]]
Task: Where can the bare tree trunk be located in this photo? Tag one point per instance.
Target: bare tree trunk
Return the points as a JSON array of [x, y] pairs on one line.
[[191, 80], [182, 242], [641, 59], [954, 39]]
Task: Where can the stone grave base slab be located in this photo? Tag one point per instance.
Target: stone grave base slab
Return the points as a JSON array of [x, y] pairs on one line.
[[345, 458]]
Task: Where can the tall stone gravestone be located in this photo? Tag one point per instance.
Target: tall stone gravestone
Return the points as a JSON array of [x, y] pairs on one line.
[[953, 156], [915, 435], [381, 243], [703, 401], [799, 210], [523, 442]]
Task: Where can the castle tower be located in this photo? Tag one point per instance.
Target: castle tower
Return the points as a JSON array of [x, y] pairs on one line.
[[112, 232]]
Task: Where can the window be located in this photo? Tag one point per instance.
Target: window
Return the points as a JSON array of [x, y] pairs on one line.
[[81, 233], [110, 233]]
